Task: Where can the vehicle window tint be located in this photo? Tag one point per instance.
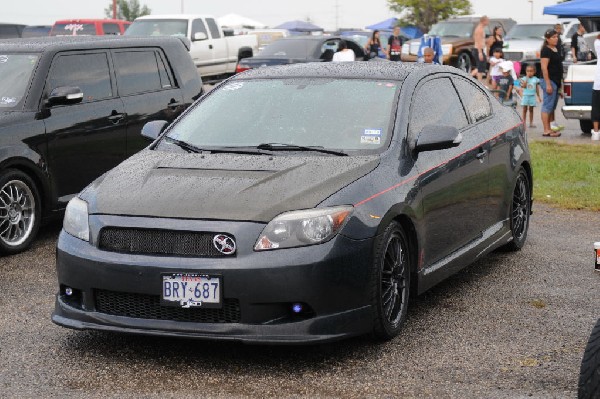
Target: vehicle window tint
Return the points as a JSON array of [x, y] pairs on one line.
[[165, 80], [474, 99], [73, 30], [198, 27], [137, 72], [214, 29], [111, 29], [436, 103], [89, 72]]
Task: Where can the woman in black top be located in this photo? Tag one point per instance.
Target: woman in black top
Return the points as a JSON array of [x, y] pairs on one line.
[[373, 45], [552, 71], [497, 39]]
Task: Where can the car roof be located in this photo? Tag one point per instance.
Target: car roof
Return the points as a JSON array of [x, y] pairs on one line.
[[61, 43], [386, 70]]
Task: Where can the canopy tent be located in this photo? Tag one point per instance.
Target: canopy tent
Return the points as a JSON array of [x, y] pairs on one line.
[[299, 26], [238, 22], [410, 31], [575, 8]]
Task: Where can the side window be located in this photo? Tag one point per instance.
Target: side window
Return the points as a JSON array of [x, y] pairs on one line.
[[137, 72], [89, 72], [198, 26], [214, 29], [474, 99], [328, 49], [165, 79], [111, 29], [436, 103]]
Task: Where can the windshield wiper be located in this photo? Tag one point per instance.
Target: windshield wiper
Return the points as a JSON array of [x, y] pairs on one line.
[[222, 150], [293, 147], [184, 144]]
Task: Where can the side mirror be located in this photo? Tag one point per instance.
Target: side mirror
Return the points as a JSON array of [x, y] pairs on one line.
[[199, 36], [65, 95], [152, 130], [437, 137]]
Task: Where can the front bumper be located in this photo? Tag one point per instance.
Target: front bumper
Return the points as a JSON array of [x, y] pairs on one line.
[[577, 112], [331, 279]]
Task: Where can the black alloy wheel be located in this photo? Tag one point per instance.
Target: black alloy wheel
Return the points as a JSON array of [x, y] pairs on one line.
[[390, 282], [464, 62], [586, 126], [520, 210], [20, 213]]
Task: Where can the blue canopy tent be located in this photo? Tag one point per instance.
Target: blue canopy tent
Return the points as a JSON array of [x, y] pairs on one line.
[[575, 8], [299, 26], [411, 32]]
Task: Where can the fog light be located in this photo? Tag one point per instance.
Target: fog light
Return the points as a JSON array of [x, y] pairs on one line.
[[297, 308], [68, 291]]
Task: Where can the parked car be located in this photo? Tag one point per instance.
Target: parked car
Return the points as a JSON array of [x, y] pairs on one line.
[[304, 215], [71, 108], [578, 87], [10, 31], [214, 54], [89, 27], [523, 43], [36, 31], [362, 37], [457, 40], [299, 49], [589, 373], [267, 36]]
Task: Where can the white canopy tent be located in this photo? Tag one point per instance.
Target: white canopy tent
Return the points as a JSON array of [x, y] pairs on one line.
[[235, 21]]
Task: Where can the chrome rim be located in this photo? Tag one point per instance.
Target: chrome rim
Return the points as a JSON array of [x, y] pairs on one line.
[[520, 213], [393, 281], [463, 63], [17, 212]]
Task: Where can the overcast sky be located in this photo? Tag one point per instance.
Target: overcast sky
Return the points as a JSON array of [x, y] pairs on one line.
[[350, 13]]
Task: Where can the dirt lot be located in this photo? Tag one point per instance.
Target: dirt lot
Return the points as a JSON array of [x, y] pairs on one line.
[[512, 325]]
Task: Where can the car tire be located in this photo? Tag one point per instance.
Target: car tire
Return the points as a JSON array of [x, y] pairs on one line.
[[390, 282], [20, 211], [520, 211], [589, 373], [586, 126], [463, 62]]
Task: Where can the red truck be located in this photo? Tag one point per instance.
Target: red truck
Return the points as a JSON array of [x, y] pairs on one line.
[[89, 27]]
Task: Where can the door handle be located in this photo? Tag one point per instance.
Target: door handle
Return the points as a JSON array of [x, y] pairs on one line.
[[481, 154], [116, 117], [210, 46]]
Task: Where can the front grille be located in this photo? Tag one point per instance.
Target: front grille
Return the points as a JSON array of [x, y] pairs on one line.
[[158, 242], [142, 306], [513, 56]]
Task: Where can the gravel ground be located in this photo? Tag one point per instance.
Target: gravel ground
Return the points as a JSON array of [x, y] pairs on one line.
[[512, 325]]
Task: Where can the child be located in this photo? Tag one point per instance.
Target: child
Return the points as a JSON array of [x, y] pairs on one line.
[[495, 61], [506, 81], [530, 90]]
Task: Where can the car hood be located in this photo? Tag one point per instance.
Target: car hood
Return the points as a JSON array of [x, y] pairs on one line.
[[523, 45], [221, 186], [454, 41]]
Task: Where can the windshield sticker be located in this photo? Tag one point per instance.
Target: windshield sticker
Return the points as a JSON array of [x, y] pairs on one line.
[[234, 86], [3, 59], [74, 28], [372, 132], [8, 100], [370, 140]]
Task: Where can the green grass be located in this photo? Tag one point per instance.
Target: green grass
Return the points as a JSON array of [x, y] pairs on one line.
[[565, 175]]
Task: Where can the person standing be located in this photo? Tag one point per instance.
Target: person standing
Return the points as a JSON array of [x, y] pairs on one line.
[[394, 47], [552, 71], [561, 50], [373, 45], [497, 39], [495, 60], [530, 91], [479, 50], [579, 48], [596, 94]]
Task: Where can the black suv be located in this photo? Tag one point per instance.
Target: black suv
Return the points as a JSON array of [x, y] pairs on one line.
[[72, 108]]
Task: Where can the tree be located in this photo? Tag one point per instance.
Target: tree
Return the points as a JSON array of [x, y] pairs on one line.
[[424, 13], [128, 10]]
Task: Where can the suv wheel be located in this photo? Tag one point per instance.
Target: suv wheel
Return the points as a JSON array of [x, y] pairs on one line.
[[586, 126], [20, 211], [464, 62]]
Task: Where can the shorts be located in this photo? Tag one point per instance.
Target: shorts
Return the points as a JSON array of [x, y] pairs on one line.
[[528, 101], [496, 78], [479, 64], [595, 105], [549, 100]]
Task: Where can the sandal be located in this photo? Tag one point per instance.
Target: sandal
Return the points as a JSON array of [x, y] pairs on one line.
[[532, 125], [555, 134], [546, 134]]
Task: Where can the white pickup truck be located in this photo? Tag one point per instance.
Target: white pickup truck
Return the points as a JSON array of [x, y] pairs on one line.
[[214, 54]]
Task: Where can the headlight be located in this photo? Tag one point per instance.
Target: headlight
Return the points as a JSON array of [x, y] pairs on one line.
[[406, 48], [76, 219], [302, 228], [446, 49]]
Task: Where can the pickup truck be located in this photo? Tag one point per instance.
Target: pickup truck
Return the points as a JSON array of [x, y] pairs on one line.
[[578, 86], [214, 54]]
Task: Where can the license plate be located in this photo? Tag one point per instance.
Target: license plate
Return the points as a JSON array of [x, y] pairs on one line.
[[188, 290]]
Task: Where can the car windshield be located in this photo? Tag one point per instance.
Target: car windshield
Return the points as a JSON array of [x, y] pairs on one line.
[[73, 29], [288, 48], [360, 39], [16, 71], [452, 29], [314, 112], [528, 31], [154, 27]]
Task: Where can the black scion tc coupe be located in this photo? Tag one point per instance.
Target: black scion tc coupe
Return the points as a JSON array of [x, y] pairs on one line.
[[297, 204]]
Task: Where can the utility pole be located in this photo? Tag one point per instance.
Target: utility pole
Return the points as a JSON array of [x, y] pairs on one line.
[[114, 9], [182, 6], [531, 9], [337, 15]]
